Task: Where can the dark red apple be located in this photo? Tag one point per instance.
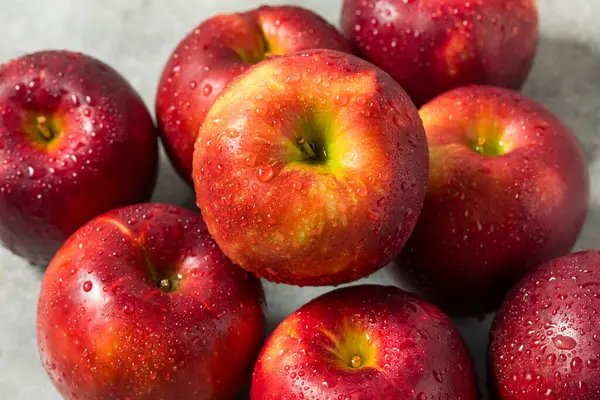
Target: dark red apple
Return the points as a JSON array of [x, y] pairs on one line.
[[216, 51], [140, 303], [431, 46], [311, 168], [508, 190], [75, 141], [362, 343], [545, 341]]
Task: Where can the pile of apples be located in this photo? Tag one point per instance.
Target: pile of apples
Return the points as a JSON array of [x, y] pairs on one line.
[[311, 166]]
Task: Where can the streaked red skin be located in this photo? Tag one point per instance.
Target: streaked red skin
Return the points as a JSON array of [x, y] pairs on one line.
[[431, 46], [205, 61], [106, 157], [545, 343], [420, 353], [356, 216], [106, 331], [488, 219]]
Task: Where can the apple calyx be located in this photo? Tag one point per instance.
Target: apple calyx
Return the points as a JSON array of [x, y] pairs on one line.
[[42, 130], [314, 152], [169, 284], [487, 138]]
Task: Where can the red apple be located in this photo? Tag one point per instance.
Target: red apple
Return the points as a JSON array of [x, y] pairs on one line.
[[140, 303], [431, 46], [311, 168], [508, 190], [545, 342], [216, 51], [365, 342], [75, 141]]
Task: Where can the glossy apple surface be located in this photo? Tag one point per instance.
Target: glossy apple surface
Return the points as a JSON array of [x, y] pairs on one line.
[[311, 168], [362, 343], [545, 342], [508, 190], [140, 303], [76, 140], [431, 46], [218, 50]]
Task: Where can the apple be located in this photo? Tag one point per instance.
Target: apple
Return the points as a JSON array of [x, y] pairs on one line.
[[216, 51], [365, 342], [140, 303], [433, 46], [508, 190], [76, 140], [545, 342], [311, 168]]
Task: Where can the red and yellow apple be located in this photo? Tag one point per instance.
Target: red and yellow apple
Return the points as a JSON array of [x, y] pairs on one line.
[[216, 51], [140, 303], [365, 342], [311, 168], [545, 342], [75, 141], [508, 190], [431, 46]]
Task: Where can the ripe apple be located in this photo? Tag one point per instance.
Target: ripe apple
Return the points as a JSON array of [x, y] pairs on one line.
[[432, 46], [219, 49], [365, 342], [311, 168], [545, 342], [140, 303], [75, 141], [508, 190]]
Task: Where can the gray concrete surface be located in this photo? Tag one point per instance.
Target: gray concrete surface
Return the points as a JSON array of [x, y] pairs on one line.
[[136, 36]]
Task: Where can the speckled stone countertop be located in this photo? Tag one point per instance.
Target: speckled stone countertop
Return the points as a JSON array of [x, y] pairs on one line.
[[136, 37]]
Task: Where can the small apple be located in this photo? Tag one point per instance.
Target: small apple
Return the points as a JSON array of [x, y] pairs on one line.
[[432, 46], [545, 342], [508, 190], [365, 342], [76, 140], [140, 303], [216, 51], [311, 168]]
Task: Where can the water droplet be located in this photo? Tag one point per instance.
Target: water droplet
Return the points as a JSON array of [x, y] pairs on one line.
[[398, 121], [87, 286], [129, 308], [576, 364], [207, 90], [564, 342], [265, 173]]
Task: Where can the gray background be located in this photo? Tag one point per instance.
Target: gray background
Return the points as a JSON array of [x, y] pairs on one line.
[[136, 37]]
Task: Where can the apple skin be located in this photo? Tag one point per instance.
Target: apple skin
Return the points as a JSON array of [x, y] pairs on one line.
[[106, 330], [545, 341], [292, 217], [104, 153], [432, 46], [408, 349], [487, 219], [216, 51]]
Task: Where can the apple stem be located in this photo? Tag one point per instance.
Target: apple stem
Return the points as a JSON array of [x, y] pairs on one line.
[[307, 148], [44, 129], [165, 285]]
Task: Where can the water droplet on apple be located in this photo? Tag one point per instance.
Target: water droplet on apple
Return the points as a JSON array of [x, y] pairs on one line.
[[564, 342], [87, 286], [576, 364], [265, 173], [207, 90], [129, 308]]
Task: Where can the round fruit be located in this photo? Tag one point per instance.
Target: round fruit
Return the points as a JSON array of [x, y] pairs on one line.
[[431, 46], [311, 168], [365, 342], [218, 50], [508, 190], [140, 303], [545, 341], [75, 141]]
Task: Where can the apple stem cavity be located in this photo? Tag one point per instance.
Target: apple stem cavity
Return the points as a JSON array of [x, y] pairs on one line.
[[314, 152]]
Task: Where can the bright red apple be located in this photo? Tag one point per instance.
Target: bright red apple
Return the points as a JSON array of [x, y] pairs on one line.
[[75, 141], [508, 190], [311, 168], [216, 51], [140, 303], [545, 342], [362, 343], [431, 46]]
